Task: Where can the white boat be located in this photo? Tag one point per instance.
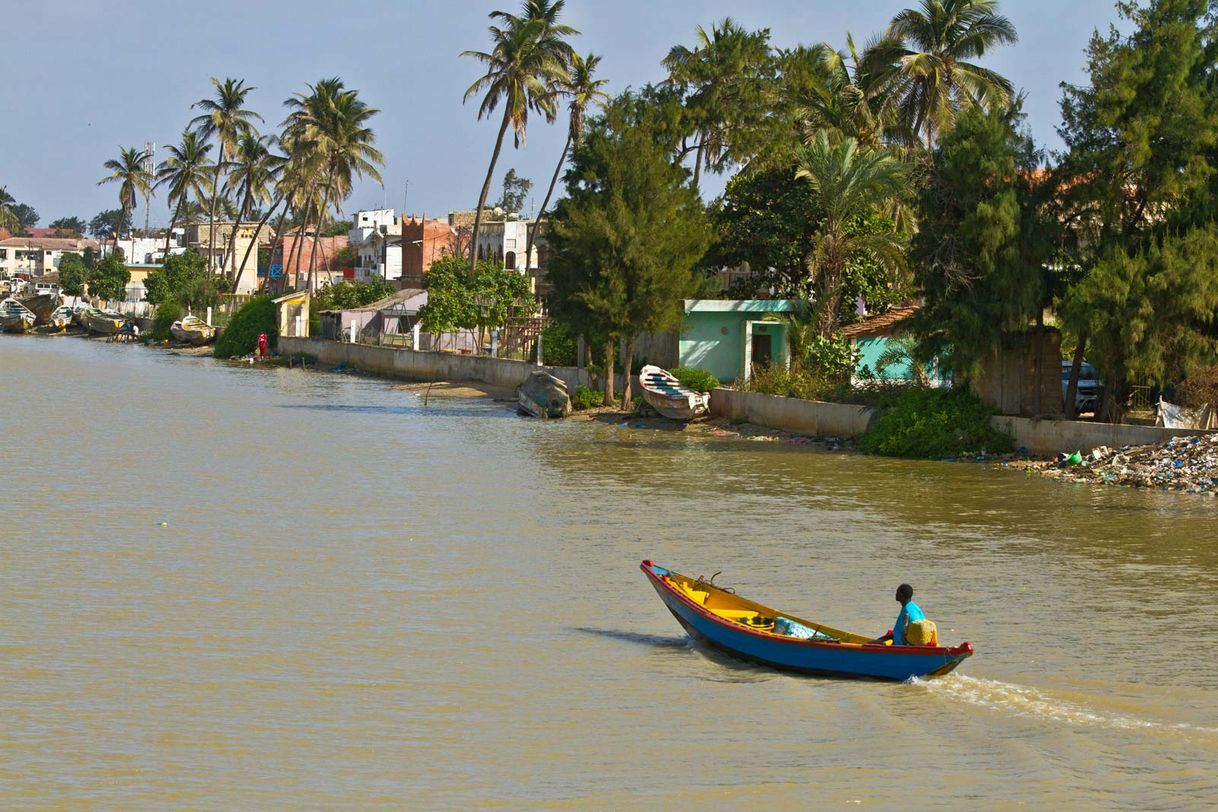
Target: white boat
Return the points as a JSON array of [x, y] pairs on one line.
[[192, 330], [664, 393], [59, 320], [15, 317]]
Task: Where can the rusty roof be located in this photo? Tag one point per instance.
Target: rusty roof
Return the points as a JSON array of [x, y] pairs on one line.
[[881, 323]]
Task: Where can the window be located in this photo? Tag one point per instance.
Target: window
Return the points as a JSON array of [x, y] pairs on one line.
[[3, 253], [511, 242]]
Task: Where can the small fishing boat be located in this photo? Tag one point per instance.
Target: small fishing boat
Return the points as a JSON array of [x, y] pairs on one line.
[[42, 306], [192, 330], [781, 640], [543, 395], [101, 321], [60, 320], [15, 317], [664, 393]]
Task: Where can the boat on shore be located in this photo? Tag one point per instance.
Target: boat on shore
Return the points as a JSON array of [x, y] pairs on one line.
[[192, 330], [102, 322], [42, 306], [60, 320], [754, 632], [668, 396], [543, 395], [15, 317]]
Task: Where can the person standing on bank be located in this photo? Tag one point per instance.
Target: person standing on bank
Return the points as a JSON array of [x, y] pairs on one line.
[[909, 613]]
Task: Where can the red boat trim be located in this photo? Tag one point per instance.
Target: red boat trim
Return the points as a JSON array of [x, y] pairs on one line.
[[965, 649]]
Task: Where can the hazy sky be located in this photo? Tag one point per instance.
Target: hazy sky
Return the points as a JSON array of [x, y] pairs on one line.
[[85, 76]]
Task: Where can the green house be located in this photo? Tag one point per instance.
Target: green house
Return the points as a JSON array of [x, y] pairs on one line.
[[726, 337]]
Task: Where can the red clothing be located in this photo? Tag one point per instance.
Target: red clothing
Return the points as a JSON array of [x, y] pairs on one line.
[[262, 345]]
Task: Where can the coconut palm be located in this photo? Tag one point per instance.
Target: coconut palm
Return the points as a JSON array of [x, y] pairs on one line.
[[187, 173], [527, 60], [8, 220], [251, 178], [849, 183], [225, 119], [331, 122], [934, 79], [130, 171], [583, 90], [722, 77]]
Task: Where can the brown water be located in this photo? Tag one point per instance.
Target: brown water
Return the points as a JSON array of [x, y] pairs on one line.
[[360, 601]]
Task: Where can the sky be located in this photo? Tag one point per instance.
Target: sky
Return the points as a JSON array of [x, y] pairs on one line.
[[91, 76]]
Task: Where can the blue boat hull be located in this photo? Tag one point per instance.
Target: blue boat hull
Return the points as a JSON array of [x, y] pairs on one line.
[[804, 656]]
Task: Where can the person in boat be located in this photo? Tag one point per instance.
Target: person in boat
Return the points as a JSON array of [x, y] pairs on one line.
[[909, 613]]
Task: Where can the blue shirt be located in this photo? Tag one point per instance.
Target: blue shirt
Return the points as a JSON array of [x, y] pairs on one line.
[[909, 613]]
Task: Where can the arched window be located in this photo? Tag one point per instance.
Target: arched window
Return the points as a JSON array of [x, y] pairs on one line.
[[510, 261]]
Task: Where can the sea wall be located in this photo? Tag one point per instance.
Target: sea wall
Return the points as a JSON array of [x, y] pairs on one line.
[[1054, 436], [418, 365], [791, 414]]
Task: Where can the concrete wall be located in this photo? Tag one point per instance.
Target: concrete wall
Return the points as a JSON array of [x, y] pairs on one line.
[[414, 365], [1053, 436], [791, 414]]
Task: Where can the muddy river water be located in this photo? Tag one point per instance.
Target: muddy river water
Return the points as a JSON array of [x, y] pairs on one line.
[[357, 600]]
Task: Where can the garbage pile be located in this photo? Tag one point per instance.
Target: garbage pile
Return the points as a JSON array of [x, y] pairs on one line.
[[1187, 464]]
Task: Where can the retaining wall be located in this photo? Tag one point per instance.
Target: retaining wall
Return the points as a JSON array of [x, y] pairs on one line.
[[1053, 436], [420, 365], [791, 414]]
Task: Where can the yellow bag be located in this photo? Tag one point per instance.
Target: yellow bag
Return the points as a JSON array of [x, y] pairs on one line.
[[921, 633]]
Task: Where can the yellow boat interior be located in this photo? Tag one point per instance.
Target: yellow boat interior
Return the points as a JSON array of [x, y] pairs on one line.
[[756, 616]]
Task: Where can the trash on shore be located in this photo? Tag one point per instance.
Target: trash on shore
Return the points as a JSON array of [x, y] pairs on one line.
[[1188, 464]]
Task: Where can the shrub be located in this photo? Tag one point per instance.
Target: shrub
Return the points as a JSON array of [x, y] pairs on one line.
[[1199, 388], [166, 314], [932, 424], [241, 336], [696, 378], [790, 383], [586, 398], [558, 346]]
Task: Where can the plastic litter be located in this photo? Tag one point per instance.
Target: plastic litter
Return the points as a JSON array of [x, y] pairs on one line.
[[1187, 464]]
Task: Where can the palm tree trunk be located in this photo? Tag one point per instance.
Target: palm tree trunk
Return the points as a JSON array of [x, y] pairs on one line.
[[532, 231], [1076, 365], [211, 215], [627, 368], [698, 165], [232, 238], [172, 222], [486, 188], [321, 216], [297, 247], [261, 225], [609, 353]]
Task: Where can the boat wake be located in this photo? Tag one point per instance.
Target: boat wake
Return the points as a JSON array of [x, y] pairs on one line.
[[1019, 700]]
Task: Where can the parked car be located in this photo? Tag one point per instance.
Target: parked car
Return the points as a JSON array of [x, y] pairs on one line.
[[1087, 395]]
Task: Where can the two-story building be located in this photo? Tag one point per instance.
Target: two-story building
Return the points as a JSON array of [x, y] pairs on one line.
[[423, 242], [33, 257], [245, 249], [377, 238]]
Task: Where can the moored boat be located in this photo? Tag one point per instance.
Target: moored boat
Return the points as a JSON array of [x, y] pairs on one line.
[[781, 640], [15, 317], [60, 319], [101, 321], [543, 395], [192, 330], [42, 306], [668, 396]]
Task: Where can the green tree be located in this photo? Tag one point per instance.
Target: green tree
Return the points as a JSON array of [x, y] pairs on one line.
[[527, 60], [935, 79], [258, 315], [188, 174], [109, 279], [225, 119], [70, 225], [346, 295], [628, 237], [981, 250], [130, 171], [251, 179], [184, 279], [8, 220], [515, 192], [848, 184], [477, 300], [725, 78], [73, 275], [109, 224], [26, 215]]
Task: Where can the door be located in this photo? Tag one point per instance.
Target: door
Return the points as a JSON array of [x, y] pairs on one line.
[[762, 351]]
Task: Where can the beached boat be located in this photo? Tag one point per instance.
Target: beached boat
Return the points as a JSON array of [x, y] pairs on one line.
[[781, 640], [15, 317], [60, 320], [192, 330], [664, 393], [543, 395], [42, 306], [101, 321]]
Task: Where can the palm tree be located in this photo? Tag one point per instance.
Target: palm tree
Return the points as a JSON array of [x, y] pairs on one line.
[[187, 173], [584, 91], [250, 180], [849, 183], [225, 119], [527, 60], [722, 76], [935, 82], [130, 171], [331, 122], [8, 220]]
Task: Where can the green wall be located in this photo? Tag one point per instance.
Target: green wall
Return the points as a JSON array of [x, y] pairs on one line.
[[714, 341]]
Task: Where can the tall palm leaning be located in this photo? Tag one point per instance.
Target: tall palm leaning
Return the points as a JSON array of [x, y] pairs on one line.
[[225, 119], [250, 179], [130, 171], [848, 183], [8, 220], [187, 173], [935, 79], [528, 58], [584, 90]]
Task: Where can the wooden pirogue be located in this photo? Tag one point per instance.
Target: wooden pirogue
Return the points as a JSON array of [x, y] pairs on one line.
[[781, 640]]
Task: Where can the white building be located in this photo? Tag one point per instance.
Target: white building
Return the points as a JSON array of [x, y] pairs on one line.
[[501, 238], [37, 256], [377, 237], [148, 250]]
